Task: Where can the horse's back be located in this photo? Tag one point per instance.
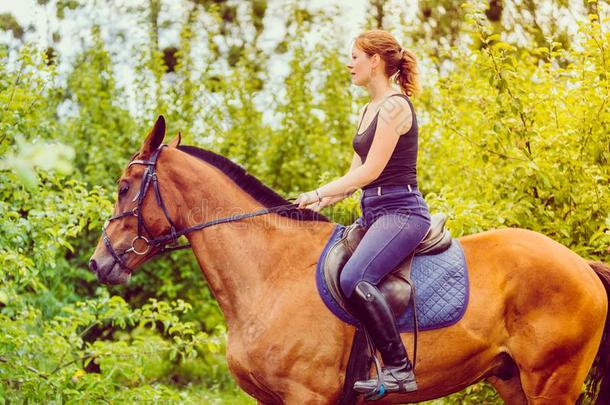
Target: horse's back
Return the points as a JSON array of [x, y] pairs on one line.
[[532, 255]]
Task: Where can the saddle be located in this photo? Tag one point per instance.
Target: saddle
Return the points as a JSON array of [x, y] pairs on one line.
[[396, 286]]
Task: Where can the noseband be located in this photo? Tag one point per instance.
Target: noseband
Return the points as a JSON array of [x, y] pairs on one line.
[[162, 242]]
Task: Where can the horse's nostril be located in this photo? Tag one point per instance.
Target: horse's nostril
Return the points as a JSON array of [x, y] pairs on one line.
[[93, 266]]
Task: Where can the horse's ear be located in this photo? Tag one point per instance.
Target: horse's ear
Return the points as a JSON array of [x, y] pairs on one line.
[[176, 141], [154, 138]]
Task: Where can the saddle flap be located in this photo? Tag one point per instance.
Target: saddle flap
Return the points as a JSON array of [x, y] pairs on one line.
[[395, 286], [337, 256]]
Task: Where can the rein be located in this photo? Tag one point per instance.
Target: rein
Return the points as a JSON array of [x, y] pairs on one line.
[[150, 176]]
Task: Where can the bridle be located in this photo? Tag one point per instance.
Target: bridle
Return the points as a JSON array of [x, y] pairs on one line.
[[161, 242]]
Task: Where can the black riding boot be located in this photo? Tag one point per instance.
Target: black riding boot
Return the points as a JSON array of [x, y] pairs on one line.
[[370, 307]]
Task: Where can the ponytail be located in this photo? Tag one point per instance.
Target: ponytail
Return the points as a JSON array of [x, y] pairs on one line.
[[407, 76]]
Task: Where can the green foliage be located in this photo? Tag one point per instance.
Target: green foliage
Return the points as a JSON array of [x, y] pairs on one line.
[[47, 358], [102, 129], [533, 139], [535, 133], [62, 339], [45, 156], [9, 23]]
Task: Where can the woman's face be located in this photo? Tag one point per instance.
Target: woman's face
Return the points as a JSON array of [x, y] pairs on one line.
[[359, 66]]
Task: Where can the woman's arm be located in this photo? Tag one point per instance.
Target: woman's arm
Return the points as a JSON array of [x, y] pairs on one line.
[[356, 162], [391, 123]]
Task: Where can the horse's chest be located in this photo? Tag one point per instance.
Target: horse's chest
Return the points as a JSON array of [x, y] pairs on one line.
[[252, 368]]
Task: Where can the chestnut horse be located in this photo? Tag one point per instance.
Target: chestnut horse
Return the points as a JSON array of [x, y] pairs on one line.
[[534, 326]]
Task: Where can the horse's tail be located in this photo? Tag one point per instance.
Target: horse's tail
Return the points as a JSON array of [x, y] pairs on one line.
[[600, 374]]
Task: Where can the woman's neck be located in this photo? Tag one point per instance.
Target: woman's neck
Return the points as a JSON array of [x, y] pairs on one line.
[[379, 88]]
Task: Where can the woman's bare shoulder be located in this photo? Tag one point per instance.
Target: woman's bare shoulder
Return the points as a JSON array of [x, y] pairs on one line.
[[396, 111]]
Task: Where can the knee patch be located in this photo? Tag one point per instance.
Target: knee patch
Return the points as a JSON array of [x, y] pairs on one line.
[[347, 282]]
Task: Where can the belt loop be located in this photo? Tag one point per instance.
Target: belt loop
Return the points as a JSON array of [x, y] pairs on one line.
[[378, 190], [409, 186]]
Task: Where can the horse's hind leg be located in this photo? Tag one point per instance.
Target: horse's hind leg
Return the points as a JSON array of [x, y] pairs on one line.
[[509, 390], [558, 388], [557, 375]]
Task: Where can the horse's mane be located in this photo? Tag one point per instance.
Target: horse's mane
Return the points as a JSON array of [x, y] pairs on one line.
[[251, 184]]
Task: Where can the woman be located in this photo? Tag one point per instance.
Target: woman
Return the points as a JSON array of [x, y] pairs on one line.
[[393, 210]]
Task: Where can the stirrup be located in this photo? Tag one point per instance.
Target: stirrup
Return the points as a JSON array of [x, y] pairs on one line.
[[376, 388], [379, 391], [375, 395]]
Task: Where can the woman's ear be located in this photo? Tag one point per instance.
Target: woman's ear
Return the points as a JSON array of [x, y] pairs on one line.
[[375, 60]]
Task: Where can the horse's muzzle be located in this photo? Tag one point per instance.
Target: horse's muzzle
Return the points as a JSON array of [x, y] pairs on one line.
[[109, 273], [93, 266]]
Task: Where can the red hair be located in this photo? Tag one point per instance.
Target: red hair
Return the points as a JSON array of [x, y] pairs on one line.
[[399, 62]]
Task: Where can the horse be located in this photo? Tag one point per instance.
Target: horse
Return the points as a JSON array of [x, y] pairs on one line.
[[535, 324]]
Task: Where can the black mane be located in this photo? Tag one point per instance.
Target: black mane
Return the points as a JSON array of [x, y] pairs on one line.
[[251, 184]]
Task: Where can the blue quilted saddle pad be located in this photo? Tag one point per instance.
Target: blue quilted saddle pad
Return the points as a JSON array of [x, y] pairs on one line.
[[441, 287]]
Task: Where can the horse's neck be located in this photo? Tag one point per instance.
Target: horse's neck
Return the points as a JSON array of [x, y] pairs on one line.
[[246, 261], [245, 265]]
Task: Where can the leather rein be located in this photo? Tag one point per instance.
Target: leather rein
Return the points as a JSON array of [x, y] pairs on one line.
[[162, 242]]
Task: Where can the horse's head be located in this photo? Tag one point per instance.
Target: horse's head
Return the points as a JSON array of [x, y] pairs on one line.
[[126, 237]]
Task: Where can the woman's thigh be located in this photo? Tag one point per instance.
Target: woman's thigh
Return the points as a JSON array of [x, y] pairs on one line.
[[386, 243]]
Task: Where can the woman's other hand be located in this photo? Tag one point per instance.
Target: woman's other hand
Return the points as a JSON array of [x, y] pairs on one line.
[[306, 199], [326, 201]]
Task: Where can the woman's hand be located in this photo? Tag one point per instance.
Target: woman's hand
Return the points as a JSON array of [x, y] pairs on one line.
[[308, 198], [325, 202]]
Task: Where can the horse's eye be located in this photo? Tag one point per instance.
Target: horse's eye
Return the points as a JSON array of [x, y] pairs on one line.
[[124, 188]]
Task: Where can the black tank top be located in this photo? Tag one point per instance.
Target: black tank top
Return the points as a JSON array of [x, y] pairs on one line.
[[401, 169]]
